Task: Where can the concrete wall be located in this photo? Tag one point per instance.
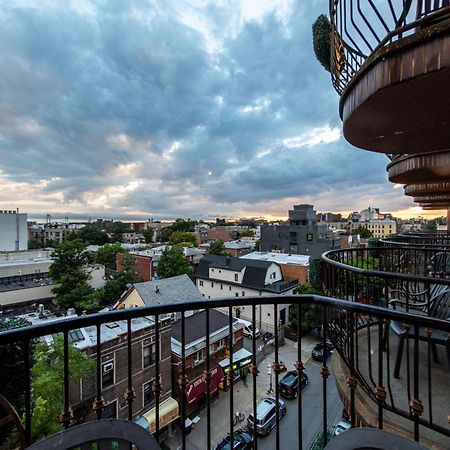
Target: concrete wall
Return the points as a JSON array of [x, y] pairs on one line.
[[13, 268], [13, 232], [26, 295]]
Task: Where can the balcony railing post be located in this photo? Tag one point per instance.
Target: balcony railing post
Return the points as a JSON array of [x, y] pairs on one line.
[[299, 368], [129, 393], [66, 415], [99, 403], [157, 383], [208, 383], [325, 374], [254, 372], [26, 347], [231, 373]]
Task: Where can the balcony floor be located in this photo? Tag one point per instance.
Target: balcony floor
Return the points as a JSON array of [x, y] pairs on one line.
[[399, 391]]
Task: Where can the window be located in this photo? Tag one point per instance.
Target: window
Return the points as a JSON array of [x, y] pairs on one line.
[[236, 277], [243, 294], [110, 411], [148, 355], [221, 286], [273, 275], [198, 357], [309, 237], [236, 294], [107, 374], [200, 282], [212, 284], [229, 288], [211, 348], [147, 393]]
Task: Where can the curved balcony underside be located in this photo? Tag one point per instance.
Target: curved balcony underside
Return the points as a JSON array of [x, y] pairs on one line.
[[433, 206], [427, 188], [398, 101], [422, 168], [444, 198]]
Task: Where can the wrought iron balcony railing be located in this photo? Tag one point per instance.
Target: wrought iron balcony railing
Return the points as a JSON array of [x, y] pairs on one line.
[[359, 333], [360, 28]]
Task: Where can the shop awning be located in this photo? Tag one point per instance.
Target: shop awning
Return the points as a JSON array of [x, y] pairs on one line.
[[168, 412], [241, 356], [197, 388]]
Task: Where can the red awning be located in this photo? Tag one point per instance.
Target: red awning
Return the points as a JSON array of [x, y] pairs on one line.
[[197, 388], [216, 377]]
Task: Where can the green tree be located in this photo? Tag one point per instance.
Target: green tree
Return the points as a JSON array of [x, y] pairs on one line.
[[48, 383], [217, 248], [173, 263], [165, 234], [258, 245], [115, 287], [181, 237], [13, 376], [311, 314], [73, 290], [363, 232], [93, 234], [33, 244], [148, 235], [107, 254], [184, 225], [321, 31], [248, 233], [117, 229]]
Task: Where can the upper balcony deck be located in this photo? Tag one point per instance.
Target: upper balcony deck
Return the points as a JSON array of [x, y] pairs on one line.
[[391, 66]]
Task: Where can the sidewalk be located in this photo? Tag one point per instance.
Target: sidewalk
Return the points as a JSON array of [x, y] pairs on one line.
[[242, 398]]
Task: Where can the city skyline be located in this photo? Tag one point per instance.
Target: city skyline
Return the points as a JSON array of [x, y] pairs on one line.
[[193, 110]]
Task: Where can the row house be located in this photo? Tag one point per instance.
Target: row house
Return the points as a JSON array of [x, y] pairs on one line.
[[223, 276]]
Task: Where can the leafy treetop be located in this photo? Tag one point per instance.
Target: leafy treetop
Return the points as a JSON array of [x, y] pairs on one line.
[[217, 248], [173, 263]]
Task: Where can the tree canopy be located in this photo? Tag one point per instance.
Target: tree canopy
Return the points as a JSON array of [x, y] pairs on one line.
[[148, 234], [363, 232], [73, 290], [311, 314], [217, 248], [164, 236], [248, 233], [117, 229], [184, 225], [107, 254], [115, 287], [47, 383], [181, 237], [321, 31], [173, 263], [93, 234]]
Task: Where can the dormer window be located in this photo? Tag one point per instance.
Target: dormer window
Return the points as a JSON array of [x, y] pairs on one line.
[[236, 277]]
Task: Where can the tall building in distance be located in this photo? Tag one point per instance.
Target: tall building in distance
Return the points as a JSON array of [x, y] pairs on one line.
[[300, 236], [13, 231]]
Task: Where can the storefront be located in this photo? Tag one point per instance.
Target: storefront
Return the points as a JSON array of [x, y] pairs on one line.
[[168, 412], [196, 391], [242, 360]]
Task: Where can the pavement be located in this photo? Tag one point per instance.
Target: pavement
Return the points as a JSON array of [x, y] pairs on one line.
[[243, 402]]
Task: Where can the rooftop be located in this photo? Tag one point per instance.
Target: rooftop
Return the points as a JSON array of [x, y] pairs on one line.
[[280, 258]]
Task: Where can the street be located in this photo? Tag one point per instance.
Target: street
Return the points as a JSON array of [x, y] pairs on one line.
[[242, 398]]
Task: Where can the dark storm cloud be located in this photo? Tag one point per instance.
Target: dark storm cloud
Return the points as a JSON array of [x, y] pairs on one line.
[[99, 97]]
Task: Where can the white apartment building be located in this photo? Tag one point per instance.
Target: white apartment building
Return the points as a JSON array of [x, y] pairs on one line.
[[13, 231], [223, 276]]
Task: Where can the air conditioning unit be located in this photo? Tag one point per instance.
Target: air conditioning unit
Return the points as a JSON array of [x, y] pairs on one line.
[[108, 367], [196, 363]]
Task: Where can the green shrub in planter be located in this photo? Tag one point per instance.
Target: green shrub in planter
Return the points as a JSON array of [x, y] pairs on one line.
[[321, 31]]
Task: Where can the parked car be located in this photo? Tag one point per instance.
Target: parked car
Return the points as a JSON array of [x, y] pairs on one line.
[[266, 415], [319, 352], [267, 336], [289, 384], [342, 426], [243, 440]]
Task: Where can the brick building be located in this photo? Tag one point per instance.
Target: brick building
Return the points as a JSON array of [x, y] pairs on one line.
[[195, 356], [143, 265]]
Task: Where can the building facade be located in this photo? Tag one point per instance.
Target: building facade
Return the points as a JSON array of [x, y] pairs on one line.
[[301, 236], [13, 231], [222, 276]]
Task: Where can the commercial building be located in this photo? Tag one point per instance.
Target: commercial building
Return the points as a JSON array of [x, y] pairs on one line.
[[301, 236], [13, 231]]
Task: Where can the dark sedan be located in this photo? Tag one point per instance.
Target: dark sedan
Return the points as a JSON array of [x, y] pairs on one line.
[[243, 440], [319, 351], [289, 384]]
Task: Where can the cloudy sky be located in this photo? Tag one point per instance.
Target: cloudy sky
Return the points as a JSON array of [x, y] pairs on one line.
[[167, 109]]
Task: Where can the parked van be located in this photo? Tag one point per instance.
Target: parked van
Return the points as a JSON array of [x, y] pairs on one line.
[[266, 415], [248, 329]]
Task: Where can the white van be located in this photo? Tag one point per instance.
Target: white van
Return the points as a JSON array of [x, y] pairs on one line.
[[248, 329]]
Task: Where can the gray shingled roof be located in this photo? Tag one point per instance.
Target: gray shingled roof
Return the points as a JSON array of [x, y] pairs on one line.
[[178, 289], [255, 272]]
